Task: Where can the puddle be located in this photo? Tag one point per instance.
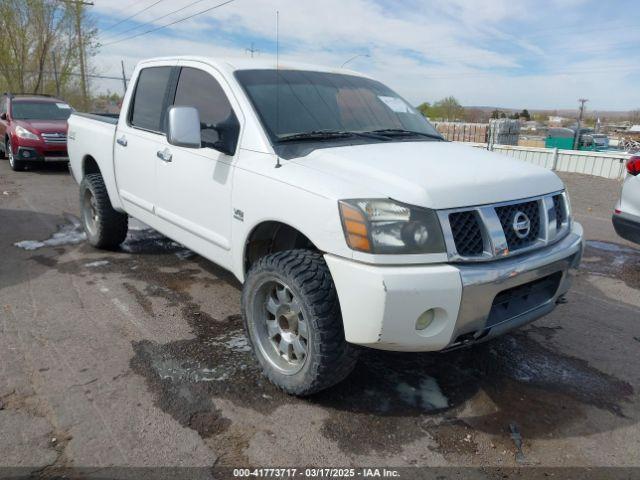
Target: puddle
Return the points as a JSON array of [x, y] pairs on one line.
[[612, 260], [70, 233]]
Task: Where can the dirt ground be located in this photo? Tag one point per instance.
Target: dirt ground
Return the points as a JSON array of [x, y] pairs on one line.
[[136, 358]]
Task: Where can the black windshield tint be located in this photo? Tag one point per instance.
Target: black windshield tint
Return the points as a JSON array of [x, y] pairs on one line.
[[294, 101], [22, 110]]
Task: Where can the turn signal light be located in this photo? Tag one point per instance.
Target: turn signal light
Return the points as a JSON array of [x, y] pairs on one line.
[[355, 228], [633, 166]]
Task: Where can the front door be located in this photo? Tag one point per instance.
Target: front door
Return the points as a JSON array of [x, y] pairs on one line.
[[194, 184], [140, 135]]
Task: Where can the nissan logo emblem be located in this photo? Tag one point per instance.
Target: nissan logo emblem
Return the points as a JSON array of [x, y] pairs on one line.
[[521, 225]]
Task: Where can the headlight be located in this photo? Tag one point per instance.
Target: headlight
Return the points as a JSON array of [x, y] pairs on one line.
[[385, 226], [22, 132]]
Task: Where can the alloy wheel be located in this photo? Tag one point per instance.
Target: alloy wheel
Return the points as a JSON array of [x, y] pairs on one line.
[[281, 331]]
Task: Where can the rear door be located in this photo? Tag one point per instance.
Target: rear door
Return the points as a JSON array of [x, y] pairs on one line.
[[140, 135], [194, 187]]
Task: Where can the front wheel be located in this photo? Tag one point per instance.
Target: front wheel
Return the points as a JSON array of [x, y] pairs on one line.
[[105, 227], [293, 322], [16, 165]]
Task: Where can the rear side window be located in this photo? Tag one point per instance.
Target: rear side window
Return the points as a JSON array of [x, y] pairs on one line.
[[147, 110], [198, 89]]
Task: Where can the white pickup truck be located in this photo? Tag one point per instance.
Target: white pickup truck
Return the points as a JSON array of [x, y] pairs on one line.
[[347, 217]]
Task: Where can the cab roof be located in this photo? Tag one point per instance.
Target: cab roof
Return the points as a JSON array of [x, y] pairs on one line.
[[233, 64]]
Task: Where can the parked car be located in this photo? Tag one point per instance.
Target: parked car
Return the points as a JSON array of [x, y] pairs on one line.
[[626, 216], [33, 129], [346, 216]]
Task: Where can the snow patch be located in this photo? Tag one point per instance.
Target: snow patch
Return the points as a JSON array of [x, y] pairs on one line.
[[427, 396], [67, 234], [97, 263], [238, 343]]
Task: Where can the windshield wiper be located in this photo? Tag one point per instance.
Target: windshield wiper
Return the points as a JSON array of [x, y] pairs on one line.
[[328, 134], [399, 132]]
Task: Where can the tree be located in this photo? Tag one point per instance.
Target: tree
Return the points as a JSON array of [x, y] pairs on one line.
[[498, 114], [447, 109], [424, 108], [525, 114], [40, 38]]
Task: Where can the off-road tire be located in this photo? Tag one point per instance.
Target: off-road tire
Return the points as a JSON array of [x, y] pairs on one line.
[[330, 359], [109, 227]]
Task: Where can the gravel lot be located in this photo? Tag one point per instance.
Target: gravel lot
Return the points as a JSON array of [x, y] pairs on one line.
[[137, 358]]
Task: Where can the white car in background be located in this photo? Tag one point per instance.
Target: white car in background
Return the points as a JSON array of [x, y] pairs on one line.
[[626, 216]]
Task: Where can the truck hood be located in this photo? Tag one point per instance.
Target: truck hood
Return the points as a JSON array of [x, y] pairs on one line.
[[435, 175], [44, 126]]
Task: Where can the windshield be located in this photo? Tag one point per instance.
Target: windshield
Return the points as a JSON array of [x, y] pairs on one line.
[[300, 102], [21, 110]]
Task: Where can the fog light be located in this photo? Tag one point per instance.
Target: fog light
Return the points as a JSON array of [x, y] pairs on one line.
[[26, 153], [425, 319]]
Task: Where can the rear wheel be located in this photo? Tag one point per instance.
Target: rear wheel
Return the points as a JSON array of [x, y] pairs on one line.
[[105, 227], [16, 165], [293, 322]]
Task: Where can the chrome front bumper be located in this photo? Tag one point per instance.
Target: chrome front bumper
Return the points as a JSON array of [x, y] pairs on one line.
[[482, 283]]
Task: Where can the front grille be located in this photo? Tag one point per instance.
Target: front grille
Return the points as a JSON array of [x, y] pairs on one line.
[[557, 206], [507, 215], [515, 301], [491, 231], [54, 138], [56, 153], [467, 233]]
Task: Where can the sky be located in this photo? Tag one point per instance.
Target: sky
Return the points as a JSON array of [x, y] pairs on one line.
[[536, 54]]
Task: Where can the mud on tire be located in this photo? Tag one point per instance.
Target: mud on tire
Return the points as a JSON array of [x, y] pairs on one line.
[[105, 227], [329, 358]]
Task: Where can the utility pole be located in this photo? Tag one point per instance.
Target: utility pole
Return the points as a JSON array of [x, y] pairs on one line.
[[55, 73], [576, 140], [83, 73], [124, 77], [252, 50]]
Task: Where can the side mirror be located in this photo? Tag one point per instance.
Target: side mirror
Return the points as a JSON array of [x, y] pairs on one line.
[[3, 116], [228, 133], [183, 127]]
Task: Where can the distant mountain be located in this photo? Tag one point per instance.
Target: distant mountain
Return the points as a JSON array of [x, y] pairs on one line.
[[562, 112]]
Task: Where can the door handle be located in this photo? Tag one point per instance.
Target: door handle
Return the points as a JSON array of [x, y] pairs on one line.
[[164, 155], [122, 141]]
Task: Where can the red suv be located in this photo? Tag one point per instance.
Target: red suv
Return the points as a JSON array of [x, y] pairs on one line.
[[33, 129]]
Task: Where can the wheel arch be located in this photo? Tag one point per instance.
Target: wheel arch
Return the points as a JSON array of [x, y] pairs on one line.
[[90, 166], [271, 236]]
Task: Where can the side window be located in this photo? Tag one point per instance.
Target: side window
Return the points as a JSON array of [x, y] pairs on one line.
[[3, 105], [147, 106], [198, 89]]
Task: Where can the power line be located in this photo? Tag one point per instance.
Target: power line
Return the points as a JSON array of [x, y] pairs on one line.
[[169, 24], [155, 19], [132, 16], [61, 74]]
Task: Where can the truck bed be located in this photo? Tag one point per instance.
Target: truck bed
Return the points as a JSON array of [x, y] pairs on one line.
[[90, 141]]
